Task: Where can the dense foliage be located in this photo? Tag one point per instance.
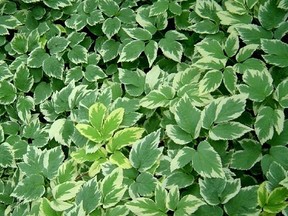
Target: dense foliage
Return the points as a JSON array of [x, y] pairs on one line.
[[135, 107]]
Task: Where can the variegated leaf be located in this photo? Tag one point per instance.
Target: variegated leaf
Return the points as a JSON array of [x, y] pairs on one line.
[[228, 131], [124, 137]]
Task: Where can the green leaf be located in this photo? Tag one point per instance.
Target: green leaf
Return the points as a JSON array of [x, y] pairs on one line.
[[109, 50], [173, 198], [158, 98], [127, 15], [134, 81], [266, 120], [211, 190], [120, 160], [245, 159], [270, 15], [281, 93], [208, 9], [188, 205], [97, 113], [182, 158], [207, 209], [159, 7], [30, 188], [117, 210], [66, 172], [276, 201], [60, 98], [276, 52], [42, 92], [188, 117], [228, 131], [230, 108], [131, 51], [236, 7], [53, 67], [46, 209], [144, 184], [151, 51], [178, 135], [178, 178], [108, 7], [210, 82], [245, 202], [171, 49], [23, 79], [9, 21], [175, 8], [5, 72], [255, 80], [89, 132], [31, 161], [208, 114], [277, 154], [57, 44], [112, 188], [138, 33], [112, 122], [207, 162], [75, 211], [124, 137], [62, 130], [57, 4], [275, 175], [211, 48], [217, 191], [7, 93], [51, 160], [232, 188], [231, 45], [111, 26], [19, 43], [66, 190], [262, 194], [161, 197], [78, 54], [230, 79], [245, 52], [252, 34], [282, 138], [283, 4], [24, 107], [6, 155], [1, 134], [145, 153], [227, 18], [205, 27], [36, 57], [144, 206]]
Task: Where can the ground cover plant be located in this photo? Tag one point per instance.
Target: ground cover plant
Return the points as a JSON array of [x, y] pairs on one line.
[[135, 107]]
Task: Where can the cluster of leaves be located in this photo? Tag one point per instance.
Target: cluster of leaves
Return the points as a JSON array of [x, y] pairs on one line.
[[161, 107]]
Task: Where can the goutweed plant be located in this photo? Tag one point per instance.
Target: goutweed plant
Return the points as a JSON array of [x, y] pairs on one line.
[[143, 107]]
